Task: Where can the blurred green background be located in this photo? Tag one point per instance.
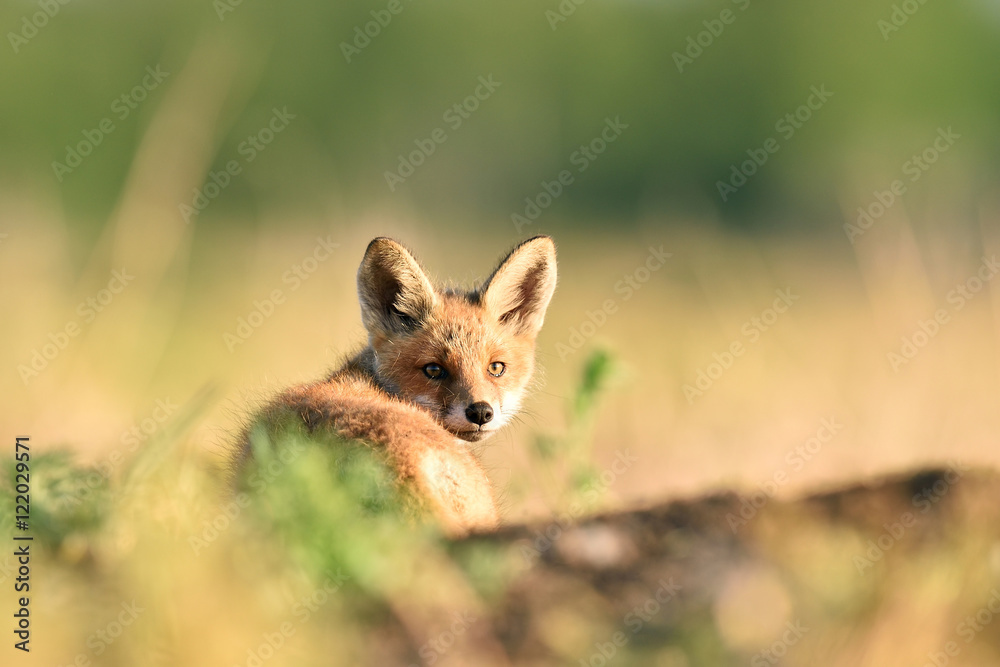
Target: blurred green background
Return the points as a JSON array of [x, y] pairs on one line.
[[606, 59], [205, 147], [210, 198], [228, 162]]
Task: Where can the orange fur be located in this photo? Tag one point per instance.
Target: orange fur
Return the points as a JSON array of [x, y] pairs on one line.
[[386, 398]]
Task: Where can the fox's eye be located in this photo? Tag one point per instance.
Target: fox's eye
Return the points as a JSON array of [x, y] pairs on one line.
[[435, 372], [497, 368]]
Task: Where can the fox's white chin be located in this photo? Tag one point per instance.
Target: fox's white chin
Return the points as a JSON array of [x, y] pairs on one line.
[[475, 436]]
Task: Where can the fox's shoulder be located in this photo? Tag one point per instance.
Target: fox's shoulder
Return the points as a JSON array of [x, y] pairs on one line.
[[349, 400], [355, 380]]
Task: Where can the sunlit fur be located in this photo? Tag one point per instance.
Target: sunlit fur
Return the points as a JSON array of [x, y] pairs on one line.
[[383, 397], [464, 340]]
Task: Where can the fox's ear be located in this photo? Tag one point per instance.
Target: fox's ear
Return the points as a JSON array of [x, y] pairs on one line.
[[394, 292], [520, 289]]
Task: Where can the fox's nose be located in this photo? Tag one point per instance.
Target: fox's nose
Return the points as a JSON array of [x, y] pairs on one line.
[[479, 413]]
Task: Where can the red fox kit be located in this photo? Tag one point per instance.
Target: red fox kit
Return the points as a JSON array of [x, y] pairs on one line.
[[442, 368]]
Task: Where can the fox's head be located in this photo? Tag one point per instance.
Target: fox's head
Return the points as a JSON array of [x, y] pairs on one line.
[[465, 356]]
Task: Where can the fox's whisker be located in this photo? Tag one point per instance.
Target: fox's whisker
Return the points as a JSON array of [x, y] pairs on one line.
[[441, 366]]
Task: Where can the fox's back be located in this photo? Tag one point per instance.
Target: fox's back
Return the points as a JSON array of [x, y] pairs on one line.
[[442, 368]]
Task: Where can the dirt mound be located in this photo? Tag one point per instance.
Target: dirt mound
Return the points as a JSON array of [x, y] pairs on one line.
[[902, 570]]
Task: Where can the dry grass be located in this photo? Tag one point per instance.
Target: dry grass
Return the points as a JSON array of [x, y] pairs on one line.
[[162, 338]]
